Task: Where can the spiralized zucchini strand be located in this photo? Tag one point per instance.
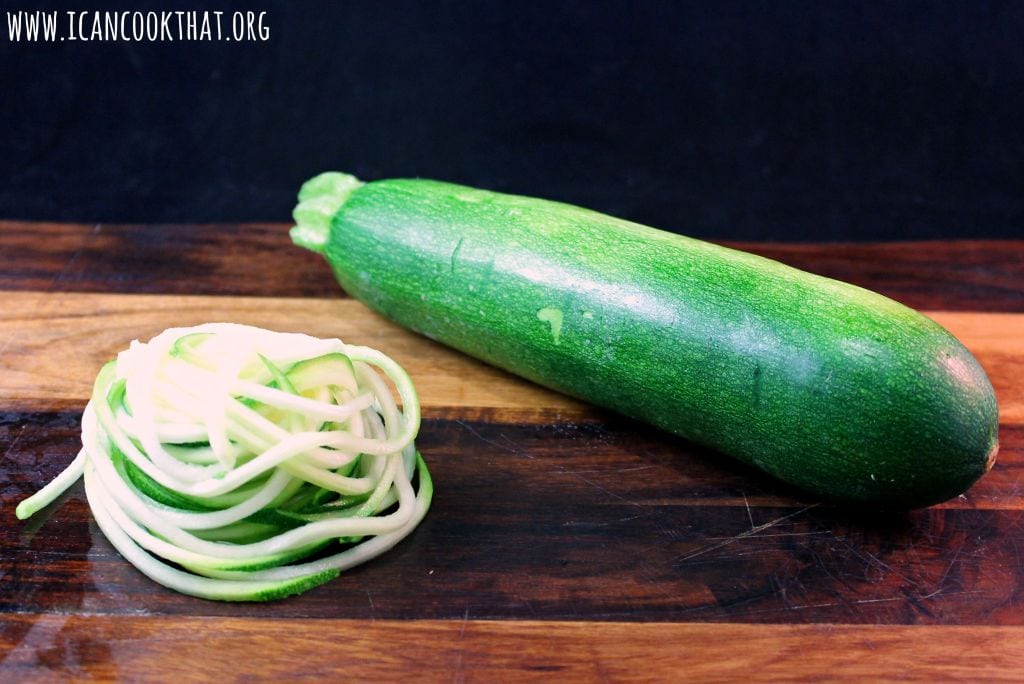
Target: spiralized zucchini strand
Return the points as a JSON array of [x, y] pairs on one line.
[[224, 461]]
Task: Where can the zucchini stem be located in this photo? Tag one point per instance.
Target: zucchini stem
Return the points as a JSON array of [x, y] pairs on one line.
[[319, 200]]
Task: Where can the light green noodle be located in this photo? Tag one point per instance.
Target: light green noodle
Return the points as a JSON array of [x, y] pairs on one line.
[[289, 474]]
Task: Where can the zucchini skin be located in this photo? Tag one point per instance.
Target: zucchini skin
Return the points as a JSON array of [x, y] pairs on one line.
[[830, 387]]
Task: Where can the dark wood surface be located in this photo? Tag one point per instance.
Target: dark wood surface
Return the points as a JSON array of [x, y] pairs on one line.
[[558, 530], [257, 259]]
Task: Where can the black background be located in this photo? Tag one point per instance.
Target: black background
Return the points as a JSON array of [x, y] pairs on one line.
[[740, 120]]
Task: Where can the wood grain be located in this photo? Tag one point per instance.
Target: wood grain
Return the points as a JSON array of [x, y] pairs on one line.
[[53, 344], [259, 260], [967, 275], [227, 259], [598, 521], [563, 542], [161, 649]]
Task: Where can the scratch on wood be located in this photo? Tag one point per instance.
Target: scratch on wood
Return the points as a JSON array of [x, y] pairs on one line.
[[785, 534], [369, 598], [845, 603], [558, 469], [459, 674], [743, 535], [940, 585], [14, 442], [484, 439]]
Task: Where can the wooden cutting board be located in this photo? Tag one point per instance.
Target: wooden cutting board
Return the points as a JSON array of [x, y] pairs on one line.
[[563, 542]]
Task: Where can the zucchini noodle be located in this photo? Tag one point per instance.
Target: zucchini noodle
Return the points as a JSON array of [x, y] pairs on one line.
[[238, 464]]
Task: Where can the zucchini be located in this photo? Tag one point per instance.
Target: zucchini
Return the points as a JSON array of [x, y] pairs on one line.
[[323, 436], [830, 387], [310, 373]]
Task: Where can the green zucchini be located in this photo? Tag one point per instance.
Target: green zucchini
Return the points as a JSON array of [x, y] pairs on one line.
[[304, 375], [827, 386]]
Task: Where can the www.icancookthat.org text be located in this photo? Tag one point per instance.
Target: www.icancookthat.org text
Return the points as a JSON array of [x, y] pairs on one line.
[[137, 26]]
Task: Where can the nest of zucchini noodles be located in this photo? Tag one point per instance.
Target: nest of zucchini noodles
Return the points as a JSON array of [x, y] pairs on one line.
[[234, 463]]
